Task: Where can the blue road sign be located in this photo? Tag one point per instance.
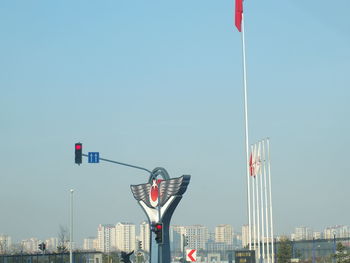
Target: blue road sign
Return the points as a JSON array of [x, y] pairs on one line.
[[94, 157]]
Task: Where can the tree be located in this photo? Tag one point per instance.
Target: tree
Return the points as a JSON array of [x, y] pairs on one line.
[[62, 239], [284, 253], [17, 248], [341, 255], [3, 246], [111, 257], [140, 258]]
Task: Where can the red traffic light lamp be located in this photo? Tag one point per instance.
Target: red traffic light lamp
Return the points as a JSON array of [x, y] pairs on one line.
[[78, 153], [158, 230]]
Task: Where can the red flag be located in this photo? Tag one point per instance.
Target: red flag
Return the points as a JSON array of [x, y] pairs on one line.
[[251, 165], [238, 15]]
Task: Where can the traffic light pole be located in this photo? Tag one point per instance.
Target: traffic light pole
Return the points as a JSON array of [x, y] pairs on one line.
[[120, 163], [162, 248], [183, 248]]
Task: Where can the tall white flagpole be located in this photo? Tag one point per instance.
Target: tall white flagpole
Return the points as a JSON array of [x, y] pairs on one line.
[[253, 197], [246, 132], [266, 211], [270, 190], [258, 202], [262, 205]]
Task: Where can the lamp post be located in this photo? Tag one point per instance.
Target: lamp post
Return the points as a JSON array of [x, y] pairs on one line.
[[334, 247], [71, 228]]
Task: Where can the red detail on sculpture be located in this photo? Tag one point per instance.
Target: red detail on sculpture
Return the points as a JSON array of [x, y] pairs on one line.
[[154, 192]]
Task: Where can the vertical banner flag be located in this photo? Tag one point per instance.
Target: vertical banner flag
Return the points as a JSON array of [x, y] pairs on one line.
[[251, 168], [252, 162], [255, 160], [238, 14]]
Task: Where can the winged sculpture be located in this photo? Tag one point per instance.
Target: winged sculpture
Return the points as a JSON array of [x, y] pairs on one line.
[[155, 197]]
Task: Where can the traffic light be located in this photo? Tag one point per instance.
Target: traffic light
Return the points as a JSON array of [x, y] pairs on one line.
[[42, 246], [158, 230], [78, 153], [139, 245], [185, 241]]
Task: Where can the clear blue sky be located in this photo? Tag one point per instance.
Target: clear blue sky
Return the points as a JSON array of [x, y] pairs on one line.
[[159, 83]]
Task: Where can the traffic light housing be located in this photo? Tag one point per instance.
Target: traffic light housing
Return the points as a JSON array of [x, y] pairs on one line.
[[78, 153], [42, 246], [158, 230], [139, 245], [185, 241]]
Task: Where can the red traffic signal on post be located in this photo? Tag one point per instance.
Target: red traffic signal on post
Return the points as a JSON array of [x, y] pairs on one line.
[[158, 230], [78, 153]]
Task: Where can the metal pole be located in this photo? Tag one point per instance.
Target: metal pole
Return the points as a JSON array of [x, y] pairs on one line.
[[160, 247], [257, 212], [334, 247], [71, 228], [270, 197], [313, 251], [120, 163], [246, 132], [254, 216], [266, 214], [262, 208], [183, 248]]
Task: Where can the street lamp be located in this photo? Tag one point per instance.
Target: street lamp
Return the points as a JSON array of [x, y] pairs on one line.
[[71, 228]]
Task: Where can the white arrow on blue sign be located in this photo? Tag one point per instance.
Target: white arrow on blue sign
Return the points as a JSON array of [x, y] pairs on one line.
[[94, 157]]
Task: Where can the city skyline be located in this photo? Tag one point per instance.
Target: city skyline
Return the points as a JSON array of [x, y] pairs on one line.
[[159, 84], [301, 232]]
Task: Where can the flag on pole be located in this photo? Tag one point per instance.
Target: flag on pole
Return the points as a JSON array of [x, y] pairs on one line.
[[238, 14], [257, 160], [251, 167], [252, 162]]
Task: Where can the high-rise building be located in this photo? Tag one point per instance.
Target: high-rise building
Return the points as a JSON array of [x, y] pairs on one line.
[[211, 236], [238, 240], [90, 243], [125, 237], [5, 243], [224, 234], [338, 231], [145, 236], [106, 238], [197, 236], [317, 235], [30, 245], [181, 230], [176, 235], [245, 236], [51, 243], [302, 233]]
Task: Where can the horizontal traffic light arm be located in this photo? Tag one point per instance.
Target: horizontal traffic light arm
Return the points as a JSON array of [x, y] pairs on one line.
[[120, 163]]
